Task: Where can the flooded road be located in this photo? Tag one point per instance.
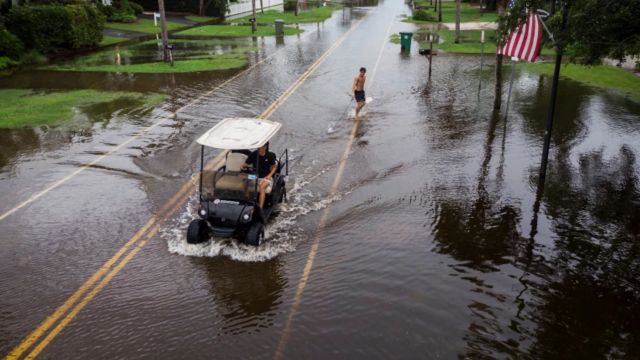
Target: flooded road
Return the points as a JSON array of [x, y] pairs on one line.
[[430, 244]]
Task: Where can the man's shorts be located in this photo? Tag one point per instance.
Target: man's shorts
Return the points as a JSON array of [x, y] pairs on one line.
[[359, 94], [269, 187]]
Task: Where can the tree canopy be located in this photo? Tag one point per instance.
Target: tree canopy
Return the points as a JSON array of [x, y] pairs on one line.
[[596, 29]]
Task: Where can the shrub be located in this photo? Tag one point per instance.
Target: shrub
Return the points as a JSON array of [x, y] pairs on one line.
[[49, 27], [6, 63], [33, 57], [123, 18], [41, 27], [10, 45], [86, 24], [137, 8], [107, 11], [422, 15], [290, 5]]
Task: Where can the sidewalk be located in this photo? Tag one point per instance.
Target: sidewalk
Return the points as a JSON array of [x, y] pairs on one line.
[[472, 26], [114, 35]]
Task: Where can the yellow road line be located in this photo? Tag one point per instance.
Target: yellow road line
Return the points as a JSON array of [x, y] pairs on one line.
[[49, 321], [106, 280], [142, 132], [171, 206], [304, 279]]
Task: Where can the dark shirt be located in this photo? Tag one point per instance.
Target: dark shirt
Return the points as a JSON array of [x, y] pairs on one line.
[[264, 162]]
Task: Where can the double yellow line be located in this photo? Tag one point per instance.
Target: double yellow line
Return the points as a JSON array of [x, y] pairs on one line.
[[103, 276]]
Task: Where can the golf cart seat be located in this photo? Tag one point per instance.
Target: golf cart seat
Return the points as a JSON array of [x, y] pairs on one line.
[[234, 161], [230, 183]]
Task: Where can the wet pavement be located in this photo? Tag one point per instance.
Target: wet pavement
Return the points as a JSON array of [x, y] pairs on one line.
[[434, 243]]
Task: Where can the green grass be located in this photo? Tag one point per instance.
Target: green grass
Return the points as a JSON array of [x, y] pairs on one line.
[[394, 39], [210, 63], [199, 19], [608, 77], [143, 26], [467, 12], [108, 40], [233, 30], [23, 108], [194, 42], [313, 15], [469, 42]]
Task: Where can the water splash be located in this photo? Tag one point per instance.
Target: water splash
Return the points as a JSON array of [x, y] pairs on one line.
[[282, 233]]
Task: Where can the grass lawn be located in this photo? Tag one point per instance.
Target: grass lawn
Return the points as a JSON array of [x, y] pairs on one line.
[[143, 26], [233, 30], [603, 76], [289, 17], [199, 19], [219, 62], [108, 40], [23, 108], [469, 42], [467, 12]]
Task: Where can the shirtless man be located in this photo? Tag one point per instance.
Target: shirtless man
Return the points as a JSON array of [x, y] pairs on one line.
[[358, 89]]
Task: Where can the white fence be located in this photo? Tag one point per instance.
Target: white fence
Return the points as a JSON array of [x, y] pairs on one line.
[[243, 7]]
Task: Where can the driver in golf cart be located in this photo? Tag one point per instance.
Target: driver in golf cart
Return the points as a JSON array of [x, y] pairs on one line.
[[265, 161]]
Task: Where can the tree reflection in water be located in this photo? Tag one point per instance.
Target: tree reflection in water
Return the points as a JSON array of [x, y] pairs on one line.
[[579, 298], [591, 304]]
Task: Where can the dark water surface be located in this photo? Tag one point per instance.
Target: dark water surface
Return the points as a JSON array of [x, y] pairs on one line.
[[435, 245]]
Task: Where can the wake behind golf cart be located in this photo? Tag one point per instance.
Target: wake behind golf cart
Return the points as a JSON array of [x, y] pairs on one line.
[[229, 195]]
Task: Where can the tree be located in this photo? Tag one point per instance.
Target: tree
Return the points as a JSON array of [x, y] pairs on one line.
[[596, 29], [457, 37], [163, 30], [501, 36], [253, 17]]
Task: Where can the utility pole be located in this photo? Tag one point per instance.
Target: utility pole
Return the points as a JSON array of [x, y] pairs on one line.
[[253, 19], [163, 31]]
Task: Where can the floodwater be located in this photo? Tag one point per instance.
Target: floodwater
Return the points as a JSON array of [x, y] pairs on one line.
[[435, 243]]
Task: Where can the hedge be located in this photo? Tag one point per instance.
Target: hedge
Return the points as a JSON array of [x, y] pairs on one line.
[[50, 27]]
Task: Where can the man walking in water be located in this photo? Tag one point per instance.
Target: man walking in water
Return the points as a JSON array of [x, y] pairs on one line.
[[358, 89]]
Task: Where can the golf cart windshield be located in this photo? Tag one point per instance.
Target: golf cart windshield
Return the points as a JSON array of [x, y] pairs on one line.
[[228, 185]]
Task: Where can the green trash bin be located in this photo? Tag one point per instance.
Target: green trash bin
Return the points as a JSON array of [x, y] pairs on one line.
[[279, 27], [405, 41]]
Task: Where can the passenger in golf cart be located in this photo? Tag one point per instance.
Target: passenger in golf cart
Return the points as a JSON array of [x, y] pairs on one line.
[[265, 161]]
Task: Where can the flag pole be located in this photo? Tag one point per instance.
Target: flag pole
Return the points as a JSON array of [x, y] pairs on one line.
[[554, 93], [514, 61]]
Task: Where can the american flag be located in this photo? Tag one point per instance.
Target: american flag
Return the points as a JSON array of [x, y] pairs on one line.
[[524, 43]]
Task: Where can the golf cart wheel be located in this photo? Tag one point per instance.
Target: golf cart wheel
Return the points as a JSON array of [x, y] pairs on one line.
[[197, 232], [255, 235]]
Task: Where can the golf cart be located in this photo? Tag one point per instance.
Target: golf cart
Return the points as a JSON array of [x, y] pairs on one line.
[[228, 195]]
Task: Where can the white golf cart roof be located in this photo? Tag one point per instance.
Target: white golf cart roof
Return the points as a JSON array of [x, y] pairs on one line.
[[239, 133]]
